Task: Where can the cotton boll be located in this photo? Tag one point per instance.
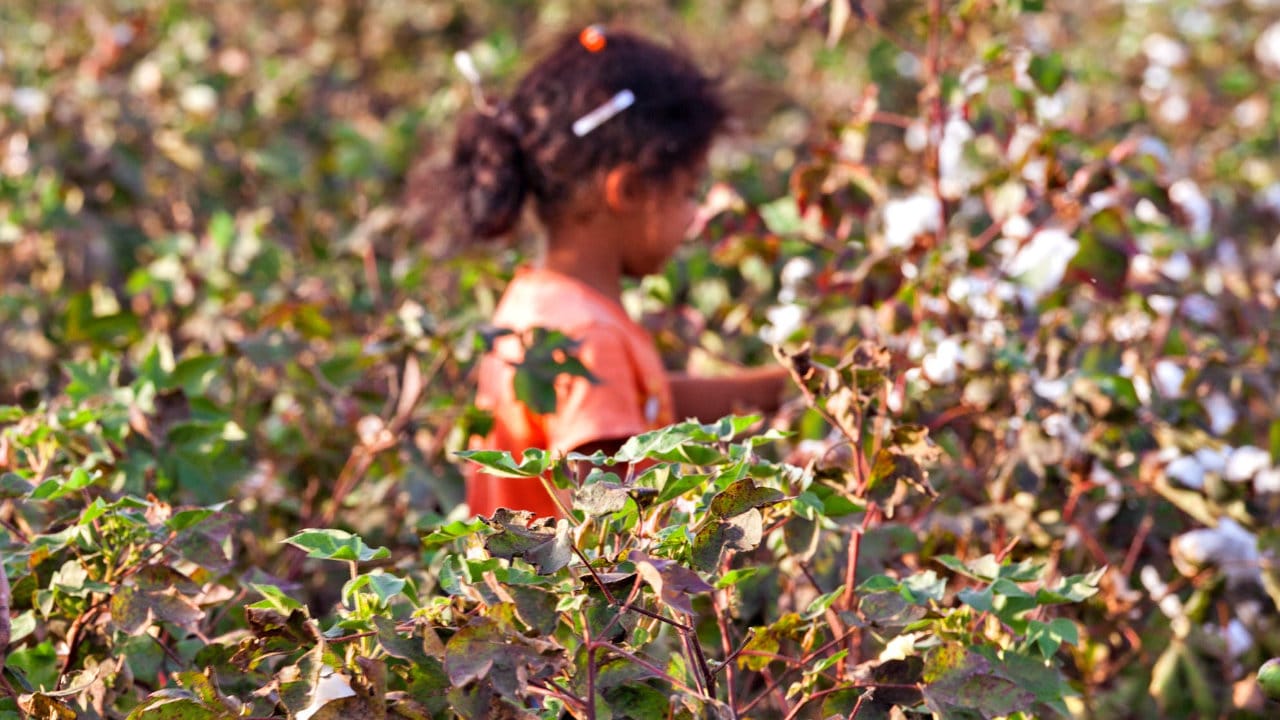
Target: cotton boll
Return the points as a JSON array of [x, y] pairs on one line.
[[1164, 50], [1151, 580], [1168, 378], [1107, 509], [916, 136], [1251, 113], [942, 366], [907, 65], [1024, 139], [1040, 265], [973, 80], [332, 686], [1147, 212], [1163, 305], [784, 321], [146, 78], [1186, 194], [1177, 267], [1222, 413], [1156, 148], [1213, 460], [907, 218], [1245, 462], [1051, 108], [1036, 172], [1267, 47], [1228, 546], [1201, 309], [795, 271], [1267, 481], [1187, 472], [1142, 266], [1017, 227], [1171, 606], [955, 174], [1196, 549], [1051, 390], [29, 101], [1269, 198], [900, 648], [1238, 638], [199, 100], [1174, 109]]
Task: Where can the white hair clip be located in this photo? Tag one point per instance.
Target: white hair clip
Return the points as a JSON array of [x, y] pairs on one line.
[[466, 66], [594, 119]]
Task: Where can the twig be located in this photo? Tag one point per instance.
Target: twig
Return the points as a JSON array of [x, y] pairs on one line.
[[5, 622], [74, 635], [797, 664], [591, 667], [613, 600], [658, 672], [700, 661], [725, 645]]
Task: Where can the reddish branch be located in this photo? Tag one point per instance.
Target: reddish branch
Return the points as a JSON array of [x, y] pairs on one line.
[[5, 623]]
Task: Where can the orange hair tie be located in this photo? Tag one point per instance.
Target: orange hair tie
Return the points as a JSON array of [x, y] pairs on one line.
[[592, 38]]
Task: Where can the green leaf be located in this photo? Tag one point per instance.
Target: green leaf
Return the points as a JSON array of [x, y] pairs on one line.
[[536, 608], [55, 488], [185, 519], [733, 577], [1074, 588], [547, 356], [639, 701], [678, 484], [878, 583], [819, 605], [1048, 72], [194, 374], [274, 599], [533, 462], [90, 378], [742, 496], [13, 485], [924, 587], [94, 511], [175, 704], [455, 530], [22, 626], [971, 684], [547, 548], [671, 582], [383, 586], [827, 662], [977, 599], [741, 532], [602, 497], [336, 545]]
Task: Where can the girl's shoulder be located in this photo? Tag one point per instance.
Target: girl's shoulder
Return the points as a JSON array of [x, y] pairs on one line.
[[543, 298]]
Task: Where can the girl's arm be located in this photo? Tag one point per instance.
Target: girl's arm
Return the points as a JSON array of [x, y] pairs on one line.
[[709, 398]]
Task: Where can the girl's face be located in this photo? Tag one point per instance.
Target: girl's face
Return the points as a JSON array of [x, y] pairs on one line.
[[669, 211]]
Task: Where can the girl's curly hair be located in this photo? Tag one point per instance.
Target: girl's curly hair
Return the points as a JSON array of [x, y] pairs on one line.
[[526, 145]]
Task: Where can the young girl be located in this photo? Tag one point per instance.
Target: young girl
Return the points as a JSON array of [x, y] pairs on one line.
[[609, 136]]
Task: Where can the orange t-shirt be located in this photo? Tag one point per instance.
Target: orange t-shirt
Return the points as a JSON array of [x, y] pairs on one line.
[[631, 394]]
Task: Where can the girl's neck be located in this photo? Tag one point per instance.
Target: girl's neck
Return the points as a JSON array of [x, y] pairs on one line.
[[582, 251]]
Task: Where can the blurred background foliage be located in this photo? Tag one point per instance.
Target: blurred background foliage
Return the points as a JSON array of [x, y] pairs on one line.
[[1061, 219]]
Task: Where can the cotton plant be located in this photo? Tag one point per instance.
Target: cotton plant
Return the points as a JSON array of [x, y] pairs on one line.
[[787, 317]]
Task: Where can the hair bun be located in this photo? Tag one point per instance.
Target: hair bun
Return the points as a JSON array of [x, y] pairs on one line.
[[488, 172]]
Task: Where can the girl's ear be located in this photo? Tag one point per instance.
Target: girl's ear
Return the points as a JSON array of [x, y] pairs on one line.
[[623, 189]]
